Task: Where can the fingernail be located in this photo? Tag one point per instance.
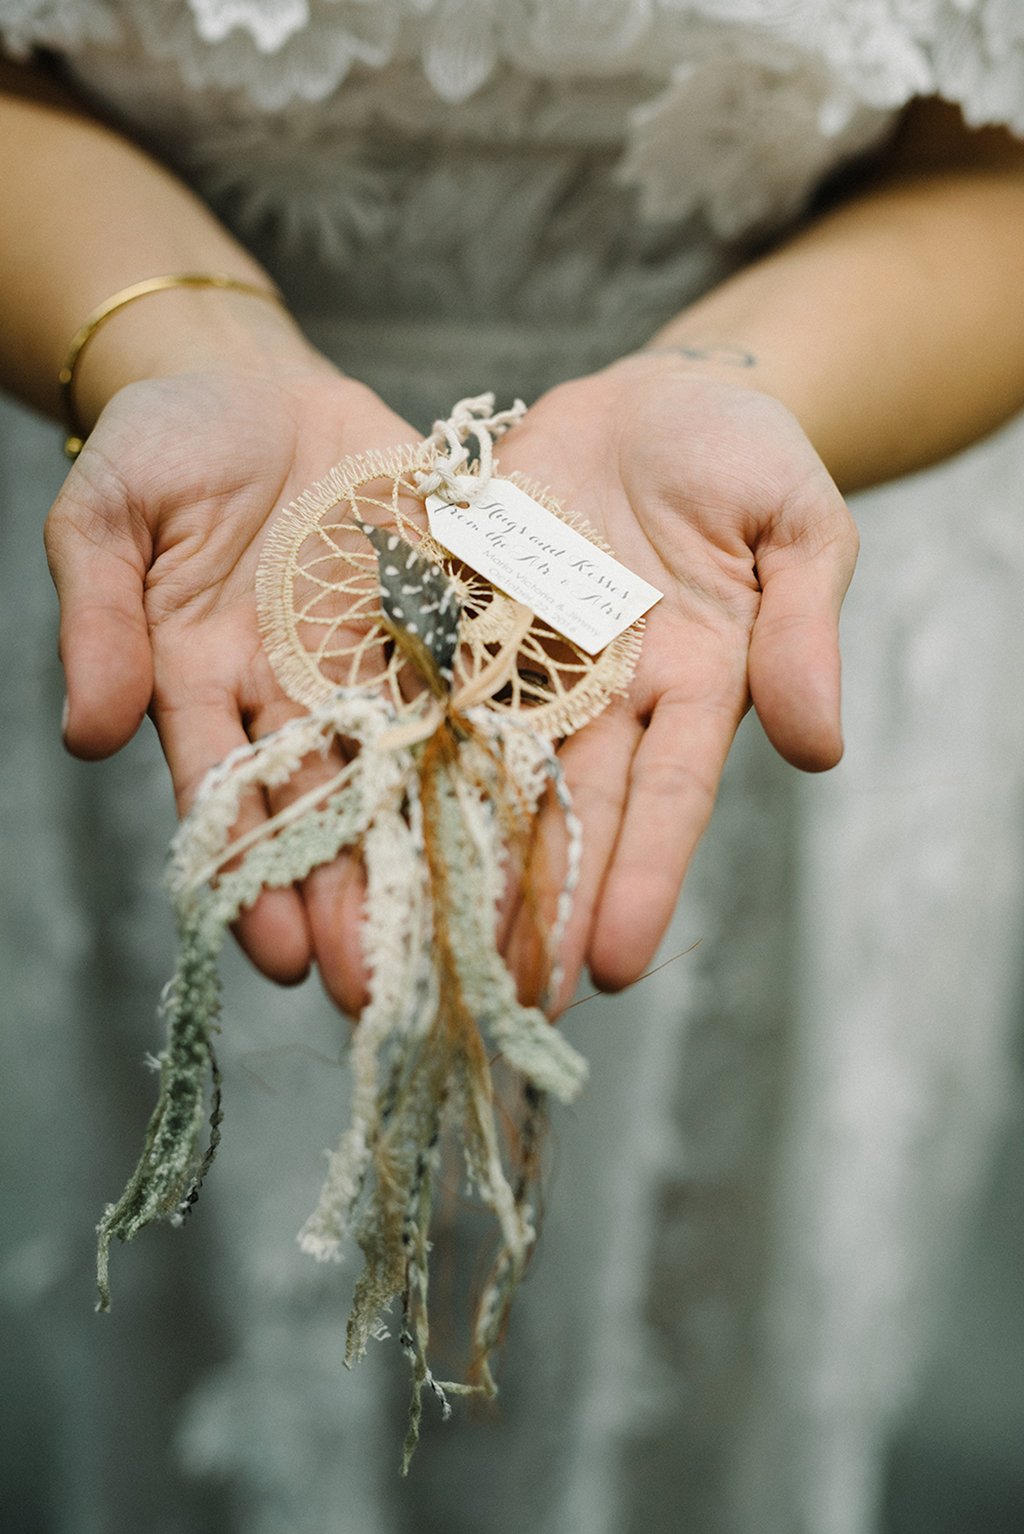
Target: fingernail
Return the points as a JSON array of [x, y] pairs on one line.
[[64, 713]]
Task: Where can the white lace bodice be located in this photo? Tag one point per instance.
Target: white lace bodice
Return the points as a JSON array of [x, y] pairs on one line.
[[812, 1060], [731, 110]]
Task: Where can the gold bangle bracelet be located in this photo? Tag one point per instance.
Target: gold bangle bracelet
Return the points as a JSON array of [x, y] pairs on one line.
[[83, 335]]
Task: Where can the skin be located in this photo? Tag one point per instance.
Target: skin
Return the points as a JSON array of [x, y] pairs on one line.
[[751, 543], [710, 463]]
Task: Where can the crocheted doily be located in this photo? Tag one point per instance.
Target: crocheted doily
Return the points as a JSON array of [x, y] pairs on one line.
[[446, 698], [323, 625]]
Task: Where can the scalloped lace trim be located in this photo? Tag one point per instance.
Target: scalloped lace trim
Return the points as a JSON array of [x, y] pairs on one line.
[[740, 106], [58, 24], [886, 50]]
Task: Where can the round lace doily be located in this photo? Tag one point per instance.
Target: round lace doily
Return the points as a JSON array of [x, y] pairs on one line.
[[320, 608]]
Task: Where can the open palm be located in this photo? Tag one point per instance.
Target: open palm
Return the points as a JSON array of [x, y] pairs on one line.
[[154, 543], [712, 493]]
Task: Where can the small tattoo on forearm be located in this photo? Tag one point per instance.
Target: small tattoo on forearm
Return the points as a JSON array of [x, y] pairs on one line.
[[731, 356]]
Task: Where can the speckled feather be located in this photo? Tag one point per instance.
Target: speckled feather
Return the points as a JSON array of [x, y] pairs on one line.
[[420, 606]]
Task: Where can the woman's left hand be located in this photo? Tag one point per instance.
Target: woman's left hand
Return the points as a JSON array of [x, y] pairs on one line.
[[711, 491]]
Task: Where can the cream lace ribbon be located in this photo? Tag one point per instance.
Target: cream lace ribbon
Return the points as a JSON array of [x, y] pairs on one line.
[[442, 758]]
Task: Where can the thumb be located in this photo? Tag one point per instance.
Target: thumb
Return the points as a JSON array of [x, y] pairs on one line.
[[98, 555], [804, 570]]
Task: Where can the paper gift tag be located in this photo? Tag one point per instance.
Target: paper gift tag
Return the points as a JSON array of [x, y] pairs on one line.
[[536, 558]]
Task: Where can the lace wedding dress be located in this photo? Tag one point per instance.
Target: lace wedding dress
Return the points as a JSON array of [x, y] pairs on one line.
[[752, 1210]]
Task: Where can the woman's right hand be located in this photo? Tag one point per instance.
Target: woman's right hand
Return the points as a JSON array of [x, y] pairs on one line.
[[153, 545]]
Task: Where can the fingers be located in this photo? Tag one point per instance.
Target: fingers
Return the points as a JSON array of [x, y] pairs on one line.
[[596, 763], [794, 648], [286, 928], [98, 555], [673, 780], [332, 895], [98, 567], [197, 733], [274, 935]]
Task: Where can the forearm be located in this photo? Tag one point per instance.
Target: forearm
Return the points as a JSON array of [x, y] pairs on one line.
[[94, 214], [893, 327]]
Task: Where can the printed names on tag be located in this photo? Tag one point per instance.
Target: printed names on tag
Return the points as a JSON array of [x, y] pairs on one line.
[[539, 560]]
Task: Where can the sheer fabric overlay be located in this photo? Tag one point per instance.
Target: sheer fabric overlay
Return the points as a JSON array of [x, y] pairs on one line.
[[756, 1204], [735, 108]]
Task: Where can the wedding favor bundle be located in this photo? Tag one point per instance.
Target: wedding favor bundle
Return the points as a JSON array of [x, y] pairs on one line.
[[444, 629]]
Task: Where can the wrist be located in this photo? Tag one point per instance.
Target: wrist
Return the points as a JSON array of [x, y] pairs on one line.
[[724, 364], [736, 353], [752, 356], [183, 330]]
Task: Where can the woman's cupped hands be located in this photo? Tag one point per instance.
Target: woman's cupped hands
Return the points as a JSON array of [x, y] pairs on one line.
[[703, 485]]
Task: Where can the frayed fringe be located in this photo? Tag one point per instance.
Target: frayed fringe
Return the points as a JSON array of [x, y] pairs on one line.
[[432, 800]]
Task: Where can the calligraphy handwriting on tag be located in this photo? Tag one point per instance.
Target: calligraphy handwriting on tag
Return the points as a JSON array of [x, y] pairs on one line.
[[539, 560]]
